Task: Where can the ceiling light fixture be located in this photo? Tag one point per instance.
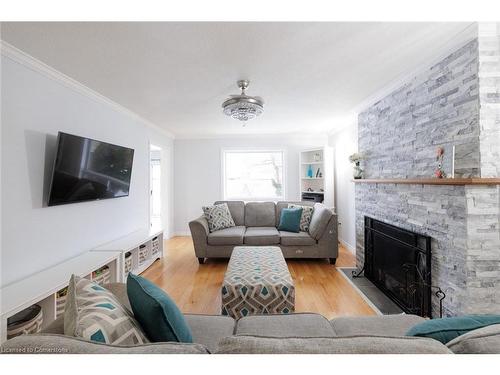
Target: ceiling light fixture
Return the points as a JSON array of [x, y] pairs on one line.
[[243, 107]]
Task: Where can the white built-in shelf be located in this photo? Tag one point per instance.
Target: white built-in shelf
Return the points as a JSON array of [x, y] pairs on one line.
[[312, 178], [141, 245], [129, 241], [145, 245], [312, 162], [315, 192], [41, 288]]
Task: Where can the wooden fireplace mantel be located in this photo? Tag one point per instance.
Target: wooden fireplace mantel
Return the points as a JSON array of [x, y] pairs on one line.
[[431, 181]]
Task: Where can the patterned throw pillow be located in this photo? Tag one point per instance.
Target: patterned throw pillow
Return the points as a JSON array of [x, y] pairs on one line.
[[218, 217], [93, 313], [305, 219]]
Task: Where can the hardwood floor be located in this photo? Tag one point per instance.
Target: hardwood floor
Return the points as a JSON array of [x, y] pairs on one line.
[[319, 287]]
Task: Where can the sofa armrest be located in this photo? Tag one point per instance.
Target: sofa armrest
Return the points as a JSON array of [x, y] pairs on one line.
[[199, 232], [329, 238], [60, 344]]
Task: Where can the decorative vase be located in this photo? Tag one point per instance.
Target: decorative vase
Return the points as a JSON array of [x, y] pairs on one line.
[[358, 172], [310, 171]]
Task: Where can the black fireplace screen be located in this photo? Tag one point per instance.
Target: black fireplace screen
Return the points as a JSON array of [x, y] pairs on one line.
[[398, 262]]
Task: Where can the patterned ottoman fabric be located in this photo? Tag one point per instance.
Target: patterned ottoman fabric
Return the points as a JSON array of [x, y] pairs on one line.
[[257, 281]]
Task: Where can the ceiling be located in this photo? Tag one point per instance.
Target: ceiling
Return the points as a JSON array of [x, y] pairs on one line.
[[176, 75]]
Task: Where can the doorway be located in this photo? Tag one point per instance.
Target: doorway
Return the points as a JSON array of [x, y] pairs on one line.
[[155, 186]]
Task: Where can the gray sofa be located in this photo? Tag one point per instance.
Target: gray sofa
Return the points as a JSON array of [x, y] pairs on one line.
[[257, 225], [293, 333]]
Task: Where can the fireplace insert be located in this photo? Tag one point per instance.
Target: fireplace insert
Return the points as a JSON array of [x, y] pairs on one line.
[[398, 262]]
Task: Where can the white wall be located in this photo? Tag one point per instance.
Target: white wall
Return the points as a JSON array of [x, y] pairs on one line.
[[345, 143], [35, 106], [198, 166]]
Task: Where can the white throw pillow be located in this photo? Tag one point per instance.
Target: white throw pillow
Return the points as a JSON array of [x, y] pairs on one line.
[[94, 313], [218, 217]]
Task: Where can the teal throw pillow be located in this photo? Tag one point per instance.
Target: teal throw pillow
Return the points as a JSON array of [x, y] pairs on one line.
[[446, 329], [155, 311], [290, 219]]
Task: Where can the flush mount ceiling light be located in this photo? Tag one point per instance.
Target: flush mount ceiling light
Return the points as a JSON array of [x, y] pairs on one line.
[[243, 107]]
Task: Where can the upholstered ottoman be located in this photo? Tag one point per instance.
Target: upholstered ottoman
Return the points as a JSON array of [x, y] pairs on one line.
[[256, 282]]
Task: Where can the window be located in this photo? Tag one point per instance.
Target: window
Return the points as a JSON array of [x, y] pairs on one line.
[[253, 175]]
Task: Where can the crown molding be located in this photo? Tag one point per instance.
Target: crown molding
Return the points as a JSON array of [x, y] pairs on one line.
[[20, 57], [469, 33]]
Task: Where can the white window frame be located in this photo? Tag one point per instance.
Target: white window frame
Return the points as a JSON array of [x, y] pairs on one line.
[[250, 150]]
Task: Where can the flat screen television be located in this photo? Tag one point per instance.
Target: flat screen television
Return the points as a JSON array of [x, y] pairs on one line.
[[86, 170]]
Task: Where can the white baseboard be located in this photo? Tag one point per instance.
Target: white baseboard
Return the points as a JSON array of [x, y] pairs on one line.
[[182, 234], [348, 246]]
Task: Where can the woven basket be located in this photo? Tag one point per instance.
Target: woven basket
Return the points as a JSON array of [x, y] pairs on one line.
[[128, 263], [102, 276], [143, 253], [25, 322], [61, 301], [155, 246]]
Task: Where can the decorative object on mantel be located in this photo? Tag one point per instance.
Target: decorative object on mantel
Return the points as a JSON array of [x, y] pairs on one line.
[[310, 171], [439, 172], [243, 107], [356, 159]]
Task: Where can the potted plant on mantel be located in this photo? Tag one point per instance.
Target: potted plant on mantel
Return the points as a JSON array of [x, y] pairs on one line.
[[356, 159]]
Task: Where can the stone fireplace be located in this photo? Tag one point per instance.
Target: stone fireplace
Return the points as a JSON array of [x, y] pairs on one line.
[[456, 102]]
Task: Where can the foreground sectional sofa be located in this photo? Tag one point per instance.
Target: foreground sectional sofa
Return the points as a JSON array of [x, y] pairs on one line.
[[257, 225], [272, 334]]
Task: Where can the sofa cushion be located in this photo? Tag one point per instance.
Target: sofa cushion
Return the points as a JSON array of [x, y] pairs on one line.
[[94, 313], [296, 239], [60, 344], [227, 236], [305, 219], [446, 329], [156, 312], [208, 330], [285, 204], [330, 345], [387, 325], [291, 325], [480, 341], [319, 220], [261, 236], [237, 209], [290, 219], [218, 217], [260, 214]]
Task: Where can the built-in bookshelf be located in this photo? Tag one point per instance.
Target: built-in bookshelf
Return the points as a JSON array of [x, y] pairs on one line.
[[312, 171]]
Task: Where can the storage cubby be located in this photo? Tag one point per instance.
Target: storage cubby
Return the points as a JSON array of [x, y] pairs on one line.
[[61, 296], [155, 246], [27, 321], [144, 253], [128, 263], [139, 250]]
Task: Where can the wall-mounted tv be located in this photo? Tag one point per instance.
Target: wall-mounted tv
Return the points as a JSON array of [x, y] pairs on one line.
[[86, 170]]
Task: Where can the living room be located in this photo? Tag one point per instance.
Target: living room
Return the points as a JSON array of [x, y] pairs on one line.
[[250, 187]]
